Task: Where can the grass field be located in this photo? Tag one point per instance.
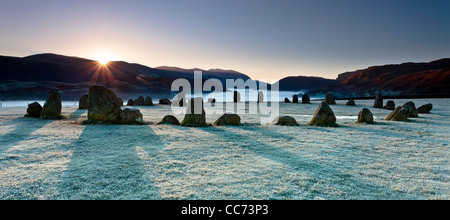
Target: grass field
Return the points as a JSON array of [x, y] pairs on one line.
[[388, 160]]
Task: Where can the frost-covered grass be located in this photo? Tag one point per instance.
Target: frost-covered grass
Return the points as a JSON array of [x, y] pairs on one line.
[[388, 160]]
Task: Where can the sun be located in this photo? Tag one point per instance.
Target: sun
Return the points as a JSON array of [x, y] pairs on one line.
[[103, 61]]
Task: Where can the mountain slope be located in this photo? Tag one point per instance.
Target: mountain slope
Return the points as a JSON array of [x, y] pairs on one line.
[[76, 74], [406, 78]]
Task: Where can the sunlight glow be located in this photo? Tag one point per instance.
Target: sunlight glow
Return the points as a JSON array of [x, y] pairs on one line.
[[103, 61]]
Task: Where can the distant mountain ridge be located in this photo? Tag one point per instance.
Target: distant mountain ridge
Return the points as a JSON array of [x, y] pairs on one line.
[[33, 76], [76, 74]]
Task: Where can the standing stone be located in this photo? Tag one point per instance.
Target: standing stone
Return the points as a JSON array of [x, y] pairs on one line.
[[390, 105], [34, 110], [306, 99], [285, 121], [83, 104], [236, 97], [399, 114], [351, 102], [378, 101], [228, 119], [120, 101], [286, 100], [148, 101], [329, 99], [260, 97], [52, 107], [103, 104], [131, 116], [412, 110], [140, 101], [169, 119], [195, 114], [130, 102], [180, 99], [425, 108], [324, 116], [365, 116], [295, 99], [165, 101]]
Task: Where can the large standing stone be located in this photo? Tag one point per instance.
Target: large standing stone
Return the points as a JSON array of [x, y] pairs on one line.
[[378, 101], [285, 121], [286, 100], [148, 101], [165, 101], [120, 101], [324, 116], [425, 108], [351, 102], [306, 99], [329, 99], [295, 99], [260, 97], [140, 101], [169, 119], [390, 105], [104, 105], [195, 114], [365, 116], [131, 116], [399, 114], [412, 110], [34, 110], [83, 104], [228, 119], [52, 107], [236, 97], [130, 102]]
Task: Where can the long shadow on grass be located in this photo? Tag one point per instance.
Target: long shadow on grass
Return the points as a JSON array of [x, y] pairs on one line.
[[77, 114], [351, 186], [23, 128], [106, 164]]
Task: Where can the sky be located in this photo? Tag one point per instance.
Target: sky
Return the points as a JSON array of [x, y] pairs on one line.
[[265, 39]]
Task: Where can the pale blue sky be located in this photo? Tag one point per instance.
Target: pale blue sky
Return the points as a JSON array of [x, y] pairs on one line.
[[264, 39]]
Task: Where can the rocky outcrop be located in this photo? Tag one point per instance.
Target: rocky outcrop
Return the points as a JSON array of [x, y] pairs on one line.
[[286, 100], [131, 116], [148, 101], [195, 114], [120, 101], [285, 121], [169, 120], [139, 101], [104, 106], [295, 99], [324, 116], [83, 104], [236, 97], [365, 116], [412, 110], [306, 99], [425, 108], [34, 110], [130, 102], [52, 107], [378, 101], [260, 97], [165, 101], [351, 102], [390, 105], [399, 114], [329, 99], [228, 119]]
